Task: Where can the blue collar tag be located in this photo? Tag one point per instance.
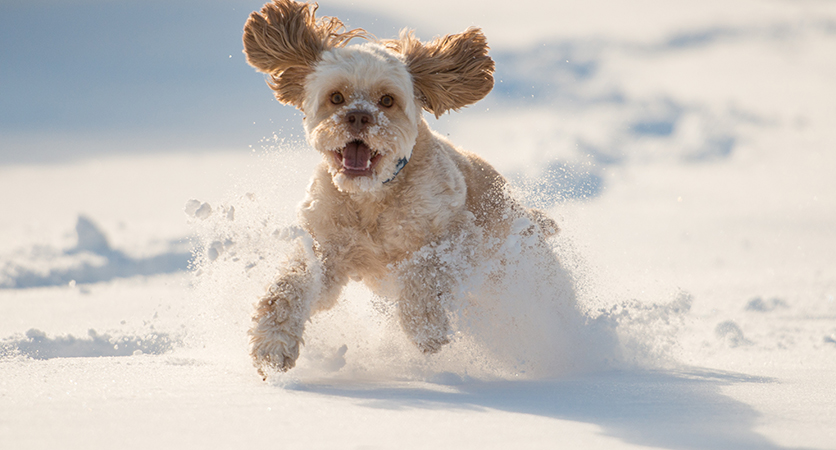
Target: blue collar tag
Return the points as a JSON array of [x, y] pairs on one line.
[[401, 164]]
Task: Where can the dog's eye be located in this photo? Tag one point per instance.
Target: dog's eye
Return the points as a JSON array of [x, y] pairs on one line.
[[387, 101], [337, 98]]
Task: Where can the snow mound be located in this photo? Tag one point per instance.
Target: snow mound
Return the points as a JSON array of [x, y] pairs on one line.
[[758, 304], [37, 345], [91, 260]]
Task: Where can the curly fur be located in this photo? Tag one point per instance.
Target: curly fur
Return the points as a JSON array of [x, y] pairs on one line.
[[391, 200], [285, 41], [449, 73]]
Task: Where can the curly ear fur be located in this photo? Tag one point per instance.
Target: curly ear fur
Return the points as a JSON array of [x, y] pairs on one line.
[[285, 40], [450, 72]]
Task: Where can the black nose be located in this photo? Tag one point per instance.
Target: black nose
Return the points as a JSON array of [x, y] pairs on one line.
[[358, 120]]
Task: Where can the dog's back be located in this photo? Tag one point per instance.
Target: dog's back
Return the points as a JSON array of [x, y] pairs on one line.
[[488, 197]]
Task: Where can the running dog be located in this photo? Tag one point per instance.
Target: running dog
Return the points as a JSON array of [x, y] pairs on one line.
[[391, 201]]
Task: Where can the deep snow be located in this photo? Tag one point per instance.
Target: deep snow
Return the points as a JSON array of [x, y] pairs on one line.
[[685, 149]]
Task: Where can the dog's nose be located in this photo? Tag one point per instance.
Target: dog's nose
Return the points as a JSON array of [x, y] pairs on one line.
[[358, 120]]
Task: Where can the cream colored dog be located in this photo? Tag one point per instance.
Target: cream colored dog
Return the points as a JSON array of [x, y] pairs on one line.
[[392, 201]]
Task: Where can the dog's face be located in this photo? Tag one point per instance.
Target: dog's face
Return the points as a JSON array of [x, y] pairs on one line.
[[362, 114], [363, 103]]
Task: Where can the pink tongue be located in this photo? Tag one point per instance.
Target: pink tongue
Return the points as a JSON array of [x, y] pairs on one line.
[[356, 155]]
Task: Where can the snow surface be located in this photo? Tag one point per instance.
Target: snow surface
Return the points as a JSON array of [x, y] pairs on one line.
[[686, 149]]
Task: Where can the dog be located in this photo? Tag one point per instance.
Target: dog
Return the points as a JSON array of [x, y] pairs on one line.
[[391, 201]]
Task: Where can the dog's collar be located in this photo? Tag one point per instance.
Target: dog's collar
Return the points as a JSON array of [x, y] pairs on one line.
[[398, 167]]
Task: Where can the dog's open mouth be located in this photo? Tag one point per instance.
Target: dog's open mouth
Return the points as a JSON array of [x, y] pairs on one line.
[[356, 159]]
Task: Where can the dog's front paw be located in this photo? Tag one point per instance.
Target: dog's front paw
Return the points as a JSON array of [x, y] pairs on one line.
[[431, 345], [275, 351], [425, 322], [275, 337]]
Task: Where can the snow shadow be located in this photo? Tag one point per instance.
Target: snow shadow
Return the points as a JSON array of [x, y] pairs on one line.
[[677, 410], [92, 260], [37, 345], [569, 79]]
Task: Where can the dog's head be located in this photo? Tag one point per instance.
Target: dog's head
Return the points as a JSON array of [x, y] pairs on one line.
[[362, 103]]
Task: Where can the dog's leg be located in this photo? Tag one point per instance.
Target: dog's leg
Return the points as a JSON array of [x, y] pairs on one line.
[[424, 285], [304, 287]]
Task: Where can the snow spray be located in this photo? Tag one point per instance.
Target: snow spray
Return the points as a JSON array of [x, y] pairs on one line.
[[516, 316]]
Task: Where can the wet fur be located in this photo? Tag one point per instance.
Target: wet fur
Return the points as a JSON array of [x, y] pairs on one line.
[[378, 228]]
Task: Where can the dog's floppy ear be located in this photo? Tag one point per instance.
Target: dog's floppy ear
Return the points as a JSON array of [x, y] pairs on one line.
[[450, 72], [285, 41]]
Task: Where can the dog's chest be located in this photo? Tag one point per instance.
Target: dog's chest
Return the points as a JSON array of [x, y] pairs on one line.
[[385, 230], [370, 234]]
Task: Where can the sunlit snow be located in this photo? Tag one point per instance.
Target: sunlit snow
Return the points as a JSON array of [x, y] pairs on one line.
[[685, 149]]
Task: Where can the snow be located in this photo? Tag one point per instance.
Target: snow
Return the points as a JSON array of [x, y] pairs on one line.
[[684, 148]]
